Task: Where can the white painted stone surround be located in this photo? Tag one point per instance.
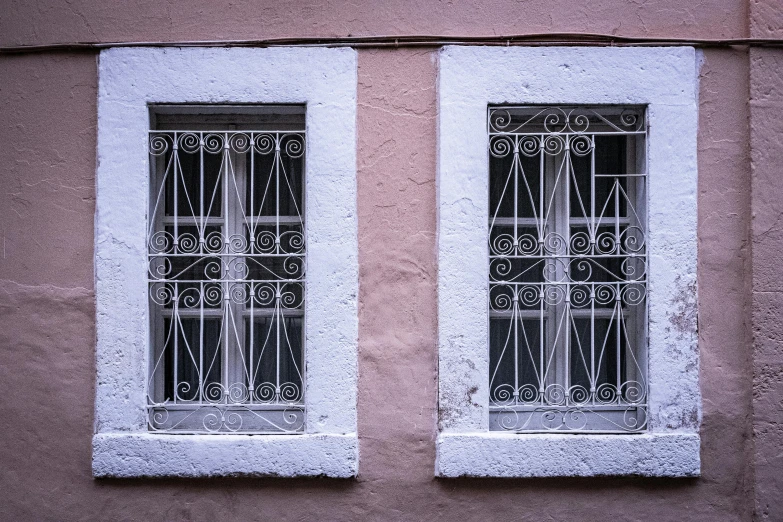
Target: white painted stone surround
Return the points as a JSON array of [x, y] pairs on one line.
[[129, 80], [470, 79]]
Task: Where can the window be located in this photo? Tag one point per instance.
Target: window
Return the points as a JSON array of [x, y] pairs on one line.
[[226, 254], [567, 262], [567, 269], [226, 263]]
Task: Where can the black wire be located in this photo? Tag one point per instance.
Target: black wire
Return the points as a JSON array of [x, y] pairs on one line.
[[539, 39]]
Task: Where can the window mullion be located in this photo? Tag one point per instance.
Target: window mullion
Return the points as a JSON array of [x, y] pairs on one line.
[[251, 245], [545, 324], [591, 249], [278, 286], [225, 274], [515, 317], [174, 325], [236, 271], [565, 215], [201, 250]]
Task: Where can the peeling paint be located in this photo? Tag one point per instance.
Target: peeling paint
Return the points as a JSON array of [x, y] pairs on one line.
[[683, 313]]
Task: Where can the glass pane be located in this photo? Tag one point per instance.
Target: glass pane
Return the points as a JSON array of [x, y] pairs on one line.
[[275, 357], [515, 344], [192, 364], [524, 172], [594, 353], [610, 158], [276, 186], [191, 199]]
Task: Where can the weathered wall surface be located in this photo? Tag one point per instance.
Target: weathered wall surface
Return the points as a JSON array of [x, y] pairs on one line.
[[766, 141], [47, 304], [25, 22], [47, 308], [766, 138]]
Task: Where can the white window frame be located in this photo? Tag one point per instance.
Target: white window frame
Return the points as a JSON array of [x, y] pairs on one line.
[[132, 79], [473, 78]]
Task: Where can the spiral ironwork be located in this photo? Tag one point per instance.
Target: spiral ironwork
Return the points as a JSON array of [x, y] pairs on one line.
[[226, 272], [567, 269]]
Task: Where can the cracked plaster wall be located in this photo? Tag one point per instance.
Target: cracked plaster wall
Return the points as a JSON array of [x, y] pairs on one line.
[[47, 307]]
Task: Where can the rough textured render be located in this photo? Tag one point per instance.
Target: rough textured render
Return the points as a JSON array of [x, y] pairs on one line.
[[398, 376], [558, 455], [47, 305], [151, 455], [144, 20], [766, 108], [129, 80], [663, 79]]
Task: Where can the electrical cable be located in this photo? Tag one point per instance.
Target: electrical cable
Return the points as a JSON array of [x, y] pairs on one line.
[[534, 39]]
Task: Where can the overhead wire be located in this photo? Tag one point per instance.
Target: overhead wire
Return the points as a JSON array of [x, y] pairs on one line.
[[397, 41]]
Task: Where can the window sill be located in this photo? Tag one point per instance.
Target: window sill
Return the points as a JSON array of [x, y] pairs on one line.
[[512, 455], [125, 455]]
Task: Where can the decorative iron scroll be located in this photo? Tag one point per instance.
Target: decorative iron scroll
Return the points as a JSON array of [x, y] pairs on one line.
[[226, 270], [568, 269]]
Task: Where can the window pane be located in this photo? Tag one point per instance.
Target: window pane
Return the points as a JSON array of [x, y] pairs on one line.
[[595, 347], [193, 363], [527, 185], [277, 184], [193, 199], [516, 356], [275, 358]]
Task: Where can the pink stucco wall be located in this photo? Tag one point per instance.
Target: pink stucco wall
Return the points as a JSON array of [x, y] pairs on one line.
[[766, 145], [766, 108], [47, 332], [24, 22]]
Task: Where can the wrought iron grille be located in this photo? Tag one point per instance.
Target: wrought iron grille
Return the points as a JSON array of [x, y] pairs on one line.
[[568, 269], [226, 255]]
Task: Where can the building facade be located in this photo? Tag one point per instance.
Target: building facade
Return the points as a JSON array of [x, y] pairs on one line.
[[393, 131]]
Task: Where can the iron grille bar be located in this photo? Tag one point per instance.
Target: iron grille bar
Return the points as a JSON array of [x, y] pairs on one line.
[[568, 265], [226, 272]]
